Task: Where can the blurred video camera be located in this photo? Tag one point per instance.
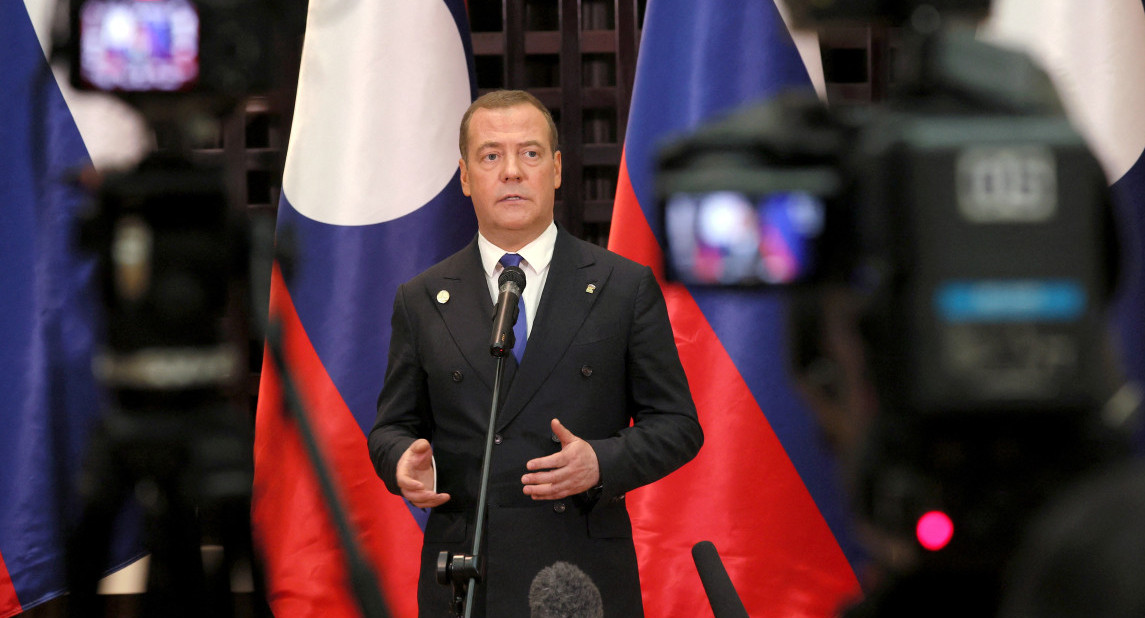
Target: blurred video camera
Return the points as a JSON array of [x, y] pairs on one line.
[[174, 251], [974, 225], [170, 232], [172, 256]]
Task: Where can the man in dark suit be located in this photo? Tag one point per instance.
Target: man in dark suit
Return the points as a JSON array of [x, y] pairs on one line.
[[597, 406]]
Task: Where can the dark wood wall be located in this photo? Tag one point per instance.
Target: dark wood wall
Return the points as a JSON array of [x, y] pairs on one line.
[[576, 56], [579, 58]]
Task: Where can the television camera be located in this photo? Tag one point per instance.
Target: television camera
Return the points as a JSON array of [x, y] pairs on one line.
[[174, 259], [962, 234]]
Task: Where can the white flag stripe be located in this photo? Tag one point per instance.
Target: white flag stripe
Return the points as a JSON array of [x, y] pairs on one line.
[[1095, 53], [115, 134], [807, 42], [337, 169]]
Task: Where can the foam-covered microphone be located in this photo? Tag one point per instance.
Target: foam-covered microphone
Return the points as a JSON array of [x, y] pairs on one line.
[[722, 595], [511, 283], [564, 591]]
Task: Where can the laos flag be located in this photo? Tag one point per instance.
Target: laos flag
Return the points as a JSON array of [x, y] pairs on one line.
[[1095, 54], [371, 197], [763, 488]]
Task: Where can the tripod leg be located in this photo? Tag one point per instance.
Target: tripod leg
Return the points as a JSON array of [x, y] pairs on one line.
[[175, 583], [233, 526], [103, 490]]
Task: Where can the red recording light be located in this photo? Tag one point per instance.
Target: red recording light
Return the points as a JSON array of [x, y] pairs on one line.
[[934, 530]]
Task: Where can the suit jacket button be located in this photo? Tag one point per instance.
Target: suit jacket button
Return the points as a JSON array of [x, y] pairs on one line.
[[457, 376], [559, 507], [554, 438], [586, 371], [497, 438]]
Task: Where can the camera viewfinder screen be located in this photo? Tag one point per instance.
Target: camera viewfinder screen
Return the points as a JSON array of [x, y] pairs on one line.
[[730, 238], [139, 45]]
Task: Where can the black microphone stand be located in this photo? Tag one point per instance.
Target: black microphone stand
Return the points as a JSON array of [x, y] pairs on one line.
[[464, 571]]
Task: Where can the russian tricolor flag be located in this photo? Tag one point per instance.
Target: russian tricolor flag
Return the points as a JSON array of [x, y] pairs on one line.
[[371, 197], [49, 302], [763, 488]]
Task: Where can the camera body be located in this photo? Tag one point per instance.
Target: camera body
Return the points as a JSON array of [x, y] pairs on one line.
[[974, 227], [170, 238], [172, 260], [979, 233]]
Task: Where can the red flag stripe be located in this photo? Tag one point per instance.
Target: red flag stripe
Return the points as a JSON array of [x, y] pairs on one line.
[[9, 602], [388, 533], [741, 492]]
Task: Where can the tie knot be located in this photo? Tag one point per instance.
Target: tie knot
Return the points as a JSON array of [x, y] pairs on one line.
[[510, 259]]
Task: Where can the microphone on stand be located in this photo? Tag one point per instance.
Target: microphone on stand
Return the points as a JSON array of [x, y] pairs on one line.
[[722, 595], [511, 283]]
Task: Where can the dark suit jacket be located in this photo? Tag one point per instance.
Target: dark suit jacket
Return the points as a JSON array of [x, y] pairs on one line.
[[601, 357]]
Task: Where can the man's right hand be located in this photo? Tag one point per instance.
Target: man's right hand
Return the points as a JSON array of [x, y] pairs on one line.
[[415, 476]]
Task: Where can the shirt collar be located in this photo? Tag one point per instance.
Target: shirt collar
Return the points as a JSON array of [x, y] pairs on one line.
[[537, 254]]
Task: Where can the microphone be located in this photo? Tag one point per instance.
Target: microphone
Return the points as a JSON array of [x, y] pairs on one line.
[[564, 591], [511, 283], [718, 586]]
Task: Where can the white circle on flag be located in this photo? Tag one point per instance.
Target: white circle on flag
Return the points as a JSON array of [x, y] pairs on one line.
[[382, 88]]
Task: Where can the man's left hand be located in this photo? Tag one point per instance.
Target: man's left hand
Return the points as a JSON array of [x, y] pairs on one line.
[[571, 471]]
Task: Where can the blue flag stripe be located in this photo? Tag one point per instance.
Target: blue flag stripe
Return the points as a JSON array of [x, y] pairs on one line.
[[1129, 198], [346, 278], [50, 309]]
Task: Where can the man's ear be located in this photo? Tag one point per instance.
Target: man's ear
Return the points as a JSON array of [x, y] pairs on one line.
[[556, 170], [464, 176]]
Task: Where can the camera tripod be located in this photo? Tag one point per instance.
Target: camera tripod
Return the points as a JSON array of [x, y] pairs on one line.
[[189, 469]]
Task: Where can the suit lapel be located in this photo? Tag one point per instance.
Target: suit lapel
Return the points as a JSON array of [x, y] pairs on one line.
[[565, 303], [463, 280]]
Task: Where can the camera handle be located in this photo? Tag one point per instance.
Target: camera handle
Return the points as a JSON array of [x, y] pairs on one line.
[[465, 571]]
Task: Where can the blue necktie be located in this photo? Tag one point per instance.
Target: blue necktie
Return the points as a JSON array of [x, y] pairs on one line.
[[520, 329]]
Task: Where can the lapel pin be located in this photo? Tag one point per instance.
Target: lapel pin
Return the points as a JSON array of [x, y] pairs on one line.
[[591, 288], [443, 296]]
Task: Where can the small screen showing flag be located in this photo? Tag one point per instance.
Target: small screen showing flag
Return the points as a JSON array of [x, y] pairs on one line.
[[732, 238], [138, 46]]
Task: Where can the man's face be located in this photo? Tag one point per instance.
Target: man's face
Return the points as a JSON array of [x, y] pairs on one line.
[[511, 173]]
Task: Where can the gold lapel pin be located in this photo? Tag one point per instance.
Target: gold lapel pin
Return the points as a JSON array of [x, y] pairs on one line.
[[443, 296], [591, 288]]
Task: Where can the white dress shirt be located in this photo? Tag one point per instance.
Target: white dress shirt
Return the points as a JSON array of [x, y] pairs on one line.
[[536, 258]]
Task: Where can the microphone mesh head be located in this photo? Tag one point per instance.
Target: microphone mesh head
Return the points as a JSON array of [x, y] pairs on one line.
[[564, 591], [513, 274]]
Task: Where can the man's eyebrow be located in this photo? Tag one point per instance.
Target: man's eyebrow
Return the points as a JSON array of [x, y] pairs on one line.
[[493, 144]]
